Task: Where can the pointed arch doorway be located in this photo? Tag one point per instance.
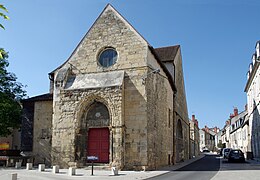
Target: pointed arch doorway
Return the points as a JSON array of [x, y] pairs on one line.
[[98, 136]]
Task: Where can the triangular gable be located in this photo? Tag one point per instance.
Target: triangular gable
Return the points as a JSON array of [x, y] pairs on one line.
[[107, 8]]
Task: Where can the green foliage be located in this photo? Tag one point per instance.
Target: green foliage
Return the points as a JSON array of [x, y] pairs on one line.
[[10, 114], [11, 92], [220, 145], [2, 8]]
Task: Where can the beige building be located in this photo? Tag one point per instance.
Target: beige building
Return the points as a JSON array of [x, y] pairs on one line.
[[117, 98], [207, 139], [194, 137], [252, 90]]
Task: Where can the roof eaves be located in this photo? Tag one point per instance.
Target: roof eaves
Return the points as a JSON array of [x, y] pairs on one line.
[[42, 97], [251, 76]]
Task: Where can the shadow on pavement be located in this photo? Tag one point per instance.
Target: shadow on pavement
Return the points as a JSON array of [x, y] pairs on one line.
[[207, 163], [230, 166]]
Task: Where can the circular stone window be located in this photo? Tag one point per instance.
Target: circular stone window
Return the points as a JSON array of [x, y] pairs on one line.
[[107, 57]]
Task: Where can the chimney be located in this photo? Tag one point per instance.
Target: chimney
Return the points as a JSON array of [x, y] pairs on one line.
[[227, 122], [193, 118], [246, 107], [206, 129], [215, 130], [231, 116], [196, 122], [235, 111]]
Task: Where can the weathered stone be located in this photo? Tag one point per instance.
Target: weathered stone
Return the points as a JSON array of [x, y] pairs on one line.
[[135, 110]]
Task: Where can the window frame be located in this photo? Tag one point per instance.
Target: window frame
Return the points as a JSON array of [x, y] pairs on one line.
[[107, 62]]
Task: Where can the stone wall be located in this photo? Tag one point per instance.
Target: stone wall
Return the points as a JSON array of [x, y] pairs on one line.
[[141, 109], [69, 123], [109, 30], [42, 132], [181, 109], [160, 117], [27, 126]]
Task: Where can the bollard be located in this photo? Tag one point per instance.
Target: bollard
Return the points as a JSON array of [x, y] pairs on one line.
[[41, 167], [114, 171], [55, 169], [28, 166], [72, 171], [14, 176], [18, 165]]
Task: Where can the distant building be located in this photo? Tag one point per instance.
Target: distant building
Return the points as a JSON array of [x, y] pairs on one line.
[[252, 90], [207, 139], [202, 140], [225, 136], [235, 133], [194, 137]]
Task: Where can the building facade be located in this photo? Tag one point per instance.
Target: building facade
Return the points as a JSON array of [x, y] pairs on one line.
[[252, 90], [194, 137], [236, 131], [117, 98], [207, 139]]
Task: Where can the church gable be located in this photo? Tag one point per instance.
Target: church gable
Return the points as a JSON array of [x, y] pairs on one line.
[[110, 31]]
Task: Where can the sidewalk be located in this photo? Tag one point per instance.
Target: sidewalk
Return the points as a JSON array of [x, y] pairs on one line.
[[254, 161], [99, 174]]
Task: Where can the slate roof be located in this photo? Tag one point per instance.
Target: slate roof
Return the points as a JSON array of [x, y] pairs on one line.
[[43, 97], [167, 53]]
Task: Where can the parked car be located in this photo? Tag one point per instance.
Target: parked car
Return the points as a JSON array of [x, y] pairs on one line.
[[225, 152], [221, 152], [205, 150], [236, 155]]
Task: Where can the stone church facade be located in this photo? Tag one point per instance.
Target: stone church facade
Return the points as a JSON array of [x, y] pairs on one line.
[[117, 98]]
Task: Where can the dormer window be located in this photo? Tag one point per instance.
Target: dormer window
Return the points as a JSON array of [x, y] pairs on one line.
[[107, 57]]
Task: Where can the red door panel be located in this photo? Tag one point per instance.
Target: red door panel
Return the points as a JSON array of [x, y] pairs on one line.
[[98, 144]]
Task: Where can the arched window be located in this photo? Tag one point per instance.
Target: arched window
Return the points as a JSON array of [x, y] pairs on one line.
[[98, 115]]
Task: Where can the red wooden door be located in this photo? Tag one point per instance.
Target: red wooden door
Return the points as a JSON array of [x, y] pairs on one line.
[[98, 144]]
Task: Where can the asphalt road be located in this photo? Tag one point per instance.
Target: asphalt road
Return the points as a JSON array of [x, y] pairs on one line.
[[203, 169]]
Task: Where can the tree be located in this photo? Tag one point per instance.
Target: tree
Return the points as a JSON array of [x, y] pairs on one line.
[[11, 92], [2, 8]]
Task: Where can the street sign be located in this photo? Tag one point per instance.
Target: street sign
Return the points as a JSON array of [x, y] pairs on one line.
[[92, 158]]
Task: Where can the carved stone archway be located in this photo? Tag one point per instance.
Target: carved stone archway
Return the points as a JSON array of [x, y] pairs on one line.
[[95, 122]]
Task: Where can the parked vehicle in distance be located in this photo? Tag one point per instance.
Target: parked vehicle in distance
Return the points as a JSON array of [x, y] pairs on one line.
[[220, 151], [236, 155], [205, 150], [225, 152]]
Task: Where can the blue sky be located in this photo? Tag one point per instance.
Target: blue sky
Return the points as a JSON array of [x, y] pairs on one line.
[[217, 39]]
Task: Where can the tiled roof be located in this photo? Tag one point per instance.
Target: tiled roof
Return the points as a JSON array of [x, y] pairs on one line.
[[43, 97], [167, 53]]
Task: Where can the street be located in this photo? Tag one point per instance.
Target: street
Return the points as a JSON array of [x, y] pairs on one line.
[[203, 169], [215, 168]]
